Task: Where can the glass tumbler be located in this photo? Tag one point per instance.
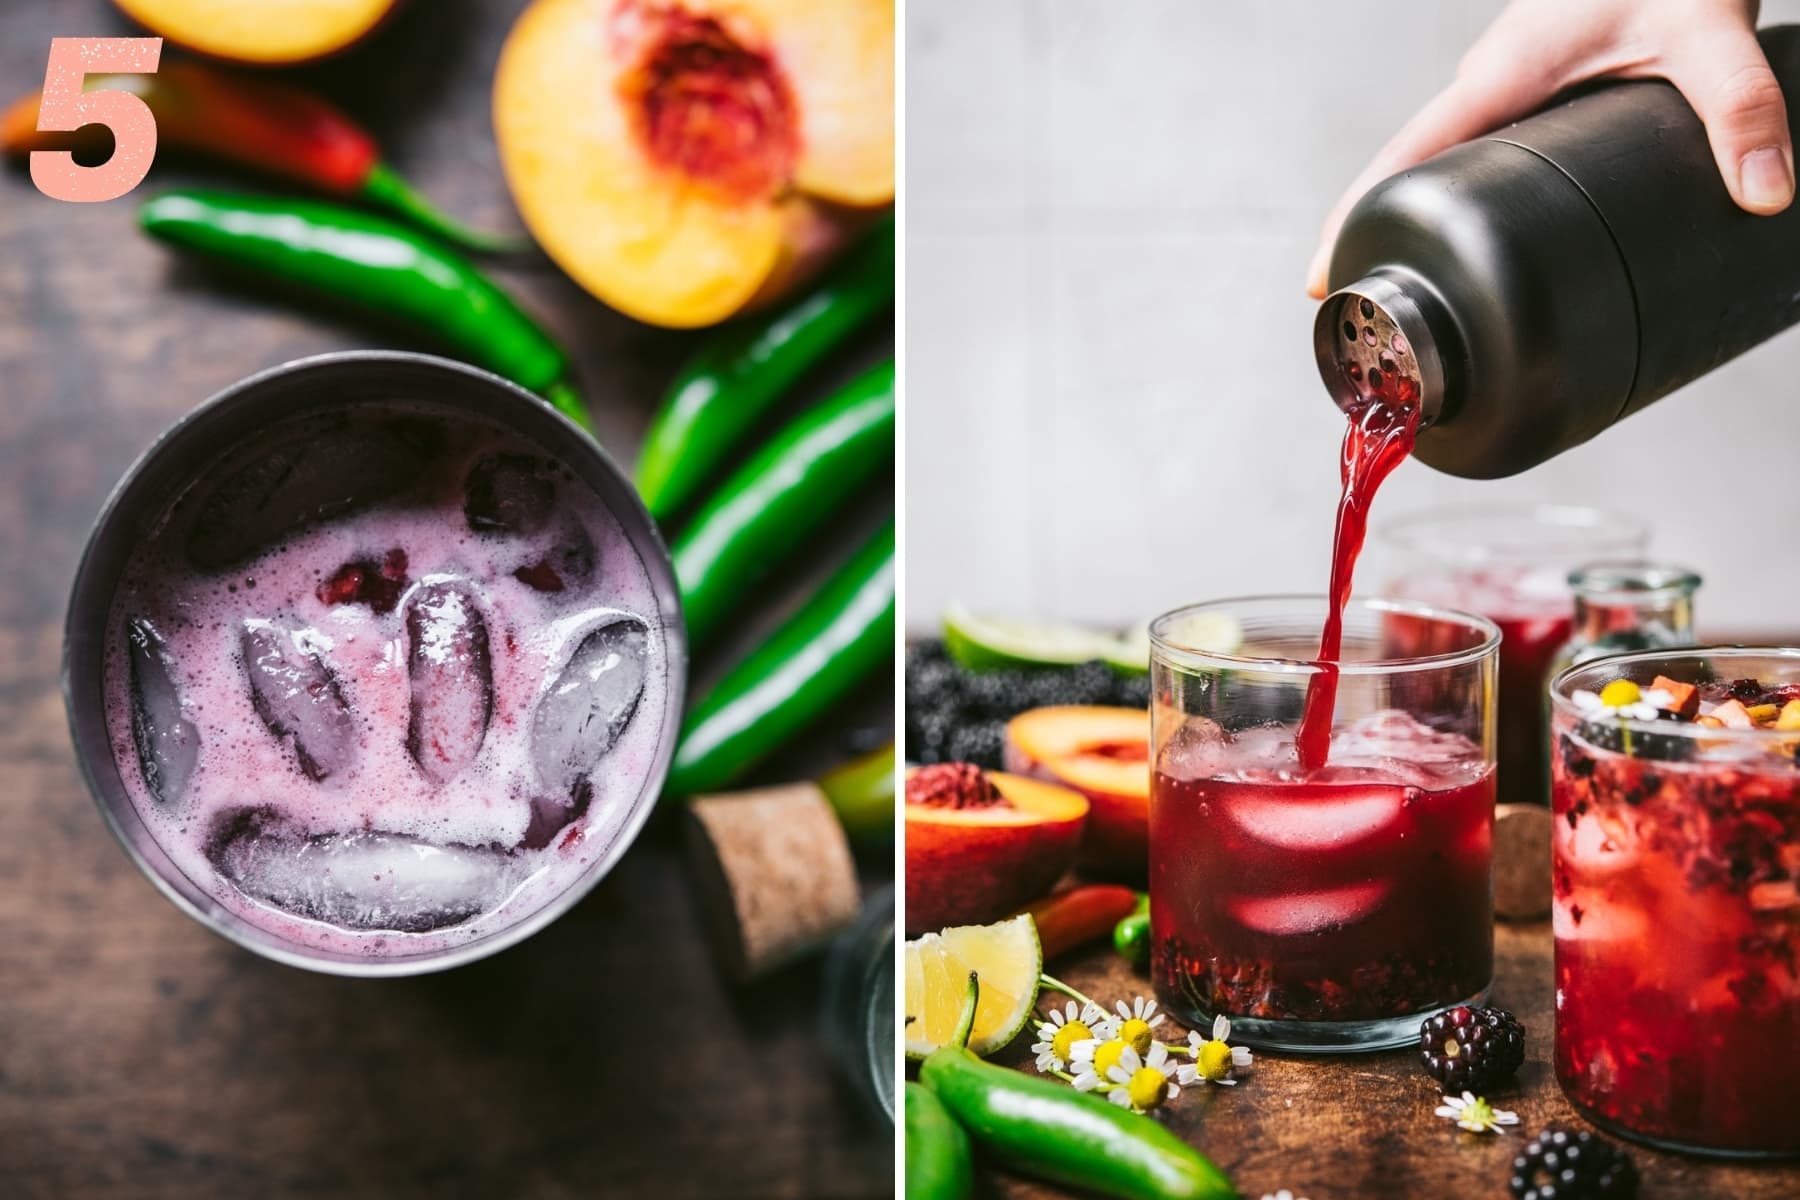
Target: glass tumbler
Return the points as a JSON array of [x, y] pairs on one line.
[[1676, 857], [1329, 909], [1510, 563]]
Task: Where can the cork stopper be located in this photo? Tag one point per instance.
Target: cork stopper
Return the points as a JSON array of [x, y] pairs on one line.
[[1522, 861], [774, 873]]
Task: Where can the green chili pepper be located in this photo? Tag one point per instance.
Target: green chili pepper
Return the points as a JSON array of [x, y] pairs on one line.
[[862, 794], [938, 1162], [844, 634], [748, 366], [1131, 936], [793, 486], [1047, 1129], [375, 264]]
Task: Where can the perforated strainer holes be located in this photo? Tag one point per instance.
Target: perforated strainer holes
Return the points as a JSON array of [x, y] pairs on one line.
[[1374, 355]]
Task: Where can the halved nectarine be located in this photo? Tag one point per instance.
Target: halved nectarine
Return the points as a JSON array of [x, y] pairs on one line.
[[980, 845], [680, 158], [267, 32], [1103, 753]]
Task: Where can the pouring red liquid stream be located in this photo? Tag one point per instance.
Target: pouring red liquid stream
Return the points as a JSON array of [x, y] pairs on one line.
[[1380, 433]]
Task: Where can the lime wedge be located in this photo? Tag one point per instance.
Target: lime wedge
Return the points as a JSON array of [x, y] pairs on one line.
[[1131, 652], [1006, 956], [986, 643]]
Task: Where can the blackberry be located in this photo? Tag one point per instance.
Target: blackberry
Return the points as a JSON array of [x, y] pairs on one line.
[[977, 742], [927, 736], [933, 685], [1657, 747], [994, 694], [1572, 1165], [1130, 691], [924, 652], [1471, 1049]]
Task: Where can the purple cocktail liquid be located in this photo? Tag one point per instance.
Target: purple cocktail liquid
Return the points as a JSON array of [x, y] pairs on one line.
[[385, 685], [1354, 891]]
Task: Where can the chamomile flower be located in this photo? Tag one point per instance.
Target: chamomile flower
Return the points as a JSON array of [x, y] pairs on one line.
[[1063, 1028], [1214, 1061], [1475, 1114], [1142, 1083], [1093, 1059], [1622, 698], [1137, 1020], [1283, 1194]]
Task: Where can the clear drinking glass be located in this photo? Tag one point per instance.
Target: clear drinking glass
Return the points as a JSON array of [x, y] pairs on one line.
[[1326, 909], [1676, 856], [1510, 563], [1629, 606]]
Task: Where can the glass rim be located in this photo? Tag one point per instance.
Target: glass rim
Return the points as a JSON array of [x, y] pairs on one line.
[[1561, 703], [1181, 655], [1613, 581], [1616, 531]]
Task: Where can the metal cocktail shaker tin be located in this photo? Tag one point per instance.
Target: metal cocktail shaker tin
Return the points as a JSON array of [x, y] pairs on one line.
[[1534, 286], [325, 384]]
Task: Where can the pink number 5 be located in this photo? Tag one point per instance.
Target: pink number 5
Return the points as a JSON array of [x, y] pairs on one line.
[[67, 108]]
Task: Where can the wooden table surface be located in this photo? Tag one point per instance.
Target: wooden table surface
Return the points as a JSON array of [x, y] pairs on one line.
[[140, 1055], [1361, 1127]]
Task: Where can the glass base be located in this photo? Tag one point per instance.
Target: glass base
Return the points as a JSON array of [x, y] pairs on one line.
[[1323, 1037], [1607, 1125]]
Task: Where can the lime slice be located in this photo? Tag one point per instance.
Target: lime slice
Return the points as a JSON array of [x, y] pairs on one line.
[[1217, 632], [986, 643], [1131, 652], [1006, 956]]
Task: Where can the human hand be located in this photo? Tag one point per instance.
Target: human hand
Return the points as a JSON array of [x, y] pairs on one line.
[[1536, 48]]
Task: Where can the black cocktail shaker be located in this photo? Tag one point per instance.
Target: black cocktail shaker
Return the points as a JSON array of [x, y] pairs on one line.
[[1534, 286]]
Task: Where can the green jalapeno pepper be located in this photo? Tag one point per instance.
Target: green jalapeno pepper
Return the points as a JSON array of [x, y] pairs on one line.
[[1039, 1127], [793, 486], [843, 635], [1131, 936], [938, 1162], [749, 365], [375, 264]]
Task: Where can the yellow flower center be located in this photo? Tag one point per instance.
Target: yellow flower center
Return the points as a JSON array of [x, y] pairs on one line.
[[1106, 1056], [1147, 1087], [1619, 693], [1063, 1044], [1137, 1035], [1214, 1060]]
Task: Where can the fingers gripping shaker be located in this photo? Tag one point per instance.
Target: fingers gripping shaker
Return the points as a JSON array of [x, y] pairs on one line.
[[1534, 286]]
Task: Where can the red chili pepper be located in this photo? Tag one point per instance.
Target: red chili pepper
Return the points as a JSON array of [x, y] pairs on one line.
[[1079, 915], [257, 122]]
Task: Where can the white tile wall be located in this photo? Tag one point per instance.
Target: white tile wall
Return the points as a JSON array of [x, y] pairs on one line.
[[1112, 404]]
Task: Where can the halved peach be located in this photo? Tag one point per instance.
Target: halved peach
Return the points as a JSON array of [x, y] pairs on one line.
[[682, 158], [972, 863], [1103, 753], [267, 32]]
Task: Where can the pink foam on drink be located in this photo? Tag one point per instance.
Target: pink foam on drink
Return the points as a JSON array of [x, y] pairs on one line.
[[459, 842]]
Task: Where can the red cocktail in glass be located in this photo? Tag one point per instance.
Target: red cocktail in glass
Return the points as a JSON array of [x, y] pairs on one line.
[[1323, 907], [1677, 920], [1510, 564]]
